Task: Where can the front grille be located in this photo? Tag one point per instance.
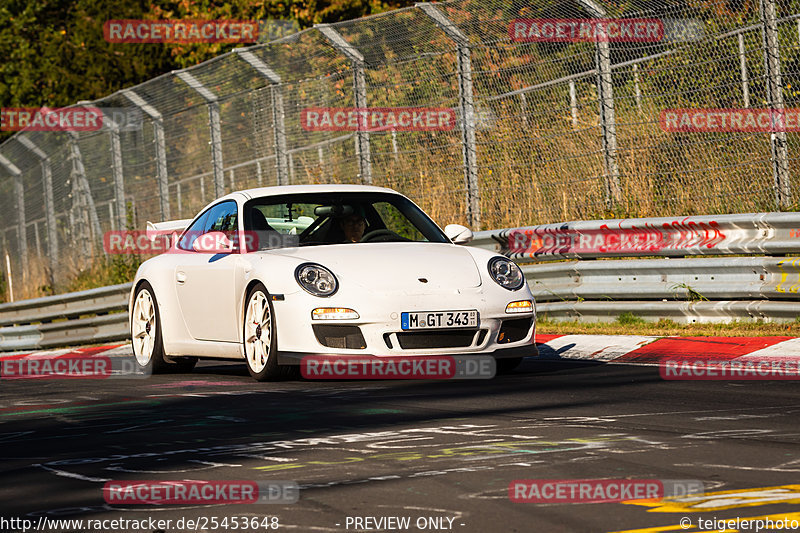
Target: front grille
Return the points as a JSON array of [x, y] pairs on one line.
[[348, 337], [419, 340], [514, 330]]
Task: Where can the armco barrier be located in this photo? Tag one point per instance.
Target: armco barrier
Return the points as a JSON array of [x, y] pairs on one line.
[[718, 278], [579, 276], [751, 233], [85, 317]]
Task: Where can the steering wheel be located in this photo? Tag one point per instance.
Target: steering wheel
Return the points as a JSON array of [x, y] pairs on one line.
[[372, 235]]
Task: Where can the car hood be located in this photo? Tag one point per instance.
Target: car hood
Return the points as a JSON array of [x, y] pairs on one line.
[[397, 266]]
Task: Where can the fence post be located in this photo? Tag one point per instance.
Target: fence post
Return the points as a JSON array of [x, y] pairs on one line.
[[49, 208], [19, 193], [605, 97], [82, 199], [772, 68], [161, 149], [116, 172], [360, 96], [278, 113], [214, 126], [468, 142]]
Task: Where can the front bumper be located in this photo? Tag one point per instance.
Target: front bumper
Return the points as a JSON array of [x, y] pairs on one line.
[[377, 331]]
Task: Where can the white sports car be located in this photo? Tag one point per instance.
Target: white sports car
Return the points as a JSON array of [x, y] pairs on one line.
[[273, 274]]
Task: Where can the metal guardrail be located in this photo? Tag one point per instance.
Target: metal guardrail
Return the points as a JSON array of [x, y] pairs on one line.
[[749, 233], [692, 279], [84, 317], [598, 286], [677, 284]]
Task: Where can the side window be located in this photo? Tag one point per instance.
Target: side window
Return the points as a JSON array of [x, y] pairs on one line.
[[221, 217], [194, 231]]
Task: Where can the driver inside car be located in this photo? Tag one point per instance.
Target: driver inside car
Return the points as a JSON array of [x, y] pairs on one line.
[[353, 226]]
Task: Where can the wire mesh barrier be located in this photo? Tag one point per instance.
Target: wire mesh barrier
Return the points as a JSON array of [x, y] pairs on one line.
[[490, 113]]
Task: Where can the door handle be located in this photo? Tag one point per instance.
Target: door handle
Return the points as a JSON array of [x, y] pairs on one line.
[[180, 277]]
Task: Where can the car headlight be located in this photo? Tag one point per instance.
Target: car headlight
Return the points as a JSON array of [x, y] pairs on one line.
[[506, 273], [316, 279]]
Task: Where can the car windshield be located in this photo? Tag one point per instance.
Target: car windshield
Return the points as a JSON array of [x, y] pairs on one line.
[[339, 218]]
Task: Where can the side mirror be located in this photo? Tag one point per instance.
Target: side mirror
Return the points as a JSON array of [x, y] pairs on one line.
[[458, 234], [213, 242]]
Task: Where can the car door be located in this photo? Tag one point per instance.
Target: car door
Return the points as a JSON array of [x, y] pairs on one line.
[[206, 282]]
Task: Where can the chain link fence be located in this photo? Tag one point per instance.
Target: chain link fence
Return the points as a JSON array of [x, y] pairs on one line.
[[548, 128]]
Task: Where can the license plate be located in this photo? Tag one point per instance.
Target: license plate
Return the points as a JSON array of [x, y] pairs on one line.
[[439, 319]]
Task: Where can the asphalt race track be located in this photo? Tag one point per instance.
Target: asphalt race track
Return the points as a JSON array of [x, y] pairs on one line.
[[441, 453]]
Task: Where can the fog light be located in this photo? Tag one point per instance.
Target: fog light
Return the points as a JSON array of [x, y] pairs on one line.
[[521, 306], [333, 313]]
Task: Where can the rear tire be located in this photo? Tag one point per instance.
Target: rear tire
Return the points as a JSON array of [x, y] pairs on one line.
[[260, 344], [146, 340]]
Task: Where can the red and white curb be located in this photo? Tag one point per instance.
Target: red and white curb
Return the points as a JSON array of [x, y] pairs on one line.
[[112, 350], [652, 350]]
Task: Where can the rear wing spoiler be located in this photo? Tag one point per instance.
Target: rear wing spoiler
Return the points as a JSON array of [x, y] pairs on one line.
[[154, 229]]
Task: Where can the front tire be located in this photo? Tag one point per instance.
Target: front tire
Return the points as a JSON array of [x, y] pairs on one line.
[[260, 344]]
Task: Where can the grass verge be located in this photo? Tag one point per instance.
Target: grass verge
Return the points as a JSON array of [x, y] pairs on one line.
[[629, 325]]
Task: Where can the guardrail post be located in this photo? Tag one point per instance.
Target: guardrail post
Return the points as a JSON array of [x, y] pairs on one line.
[[359, 96], [19, 193], [49, 209], [160, 149], [772, 68], [278, 113], [116, 172], [605, 97], [214, 126], [468, 142]]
